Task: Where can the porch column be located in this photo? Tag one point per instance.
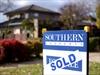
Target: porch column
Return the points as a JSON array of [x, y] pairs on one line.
[[36, 25], [17, 33]]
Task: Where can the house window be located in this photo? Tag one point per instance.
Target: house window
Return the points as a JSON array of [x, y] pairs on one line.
[[17, 31], [34, 15], [26, 16], [15, 16], [28, 35], [22, 16]]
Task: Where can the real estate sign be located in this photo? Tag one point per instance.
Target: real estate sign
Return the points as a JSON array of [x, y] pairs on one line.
[[65, 52]]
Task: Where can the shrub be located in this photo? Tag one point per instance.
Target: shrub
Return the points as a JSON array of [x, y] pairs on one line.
[[15, 50], [94, 44], [6, 45], [35, 46], [2, 54]]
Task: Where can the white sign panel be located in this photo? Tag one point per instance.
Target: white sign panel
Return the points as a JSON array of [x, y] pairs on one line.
[[65, 52]]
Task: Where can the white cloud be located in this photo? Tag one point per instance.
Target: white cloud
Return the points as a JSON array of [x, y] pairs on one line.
[[21, 2]]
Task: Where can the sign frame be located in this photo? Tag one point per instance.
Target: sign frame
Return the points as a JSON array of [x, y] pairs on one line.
[[68, 31]]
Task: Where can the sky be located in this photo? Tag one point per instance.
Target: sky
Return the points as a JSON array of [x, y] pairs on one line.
[[50, 4]]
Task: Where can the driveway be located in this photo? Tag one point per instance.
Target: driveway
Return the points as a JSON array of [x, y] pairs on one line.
[[94, 57]]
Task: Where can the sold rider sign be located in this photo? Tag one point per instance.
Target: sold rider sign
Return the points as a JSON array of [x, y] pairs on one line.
[[65, 52]]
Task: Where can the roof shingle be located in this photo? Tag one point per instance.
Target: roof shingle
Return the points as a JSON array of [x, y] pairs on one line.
[[31, 8]]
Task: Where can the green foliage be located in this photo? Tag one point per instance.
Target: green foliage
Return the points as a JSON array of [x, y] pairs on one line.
[[74, 13], [98, 16], [98, 23], [32, 69], [36, 69], [94, 44], [27, 24], [35, 46], [94, 69], [98, 11], [38, 48]]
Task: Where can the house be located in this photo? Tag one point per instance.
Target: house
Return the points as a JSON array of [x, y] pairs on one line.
[[36, 13]]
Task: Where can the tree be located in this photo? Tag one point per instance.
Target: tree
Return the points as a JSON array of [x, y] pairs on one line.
[[28, 27], [5, 5], [74, 13], [27, 24], [98, 15]]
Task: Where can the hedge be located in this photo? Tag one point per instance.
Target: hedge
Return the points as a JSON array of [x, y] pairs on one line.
[[35, 46], [14, 50], [2, 53], [94, 44]]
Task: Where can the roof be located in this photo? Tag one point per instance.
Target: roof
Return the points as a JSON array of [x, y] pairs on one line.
[[5, 23], [31, 8]]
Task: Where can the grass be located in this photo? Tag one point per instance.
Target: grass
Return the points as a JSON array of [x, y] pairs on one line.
[[37, 69], [94, 69], [22, 70]]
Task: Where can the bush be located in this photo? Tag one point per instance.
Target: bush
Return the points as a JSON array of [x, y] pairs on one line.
[[15, 50], [94, 44], [38, 48], [35, 46], [2, 54]]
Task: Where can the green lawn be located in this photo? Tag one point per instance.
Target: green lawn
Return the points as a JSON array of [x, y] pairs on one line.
[[37, 70], [94, 69], [22, 70]]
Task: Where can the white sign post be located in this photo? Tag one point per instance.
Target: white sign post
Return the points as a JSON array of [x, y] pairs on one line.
[[65, 52]]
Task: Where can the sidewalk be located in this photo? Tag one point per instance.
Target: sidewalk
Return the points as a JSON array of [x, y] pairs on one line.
[[94, 57]]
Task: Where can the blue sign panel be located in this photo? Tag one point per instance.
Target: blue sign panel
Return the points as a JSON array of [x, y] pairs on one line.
[[65, 52]]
